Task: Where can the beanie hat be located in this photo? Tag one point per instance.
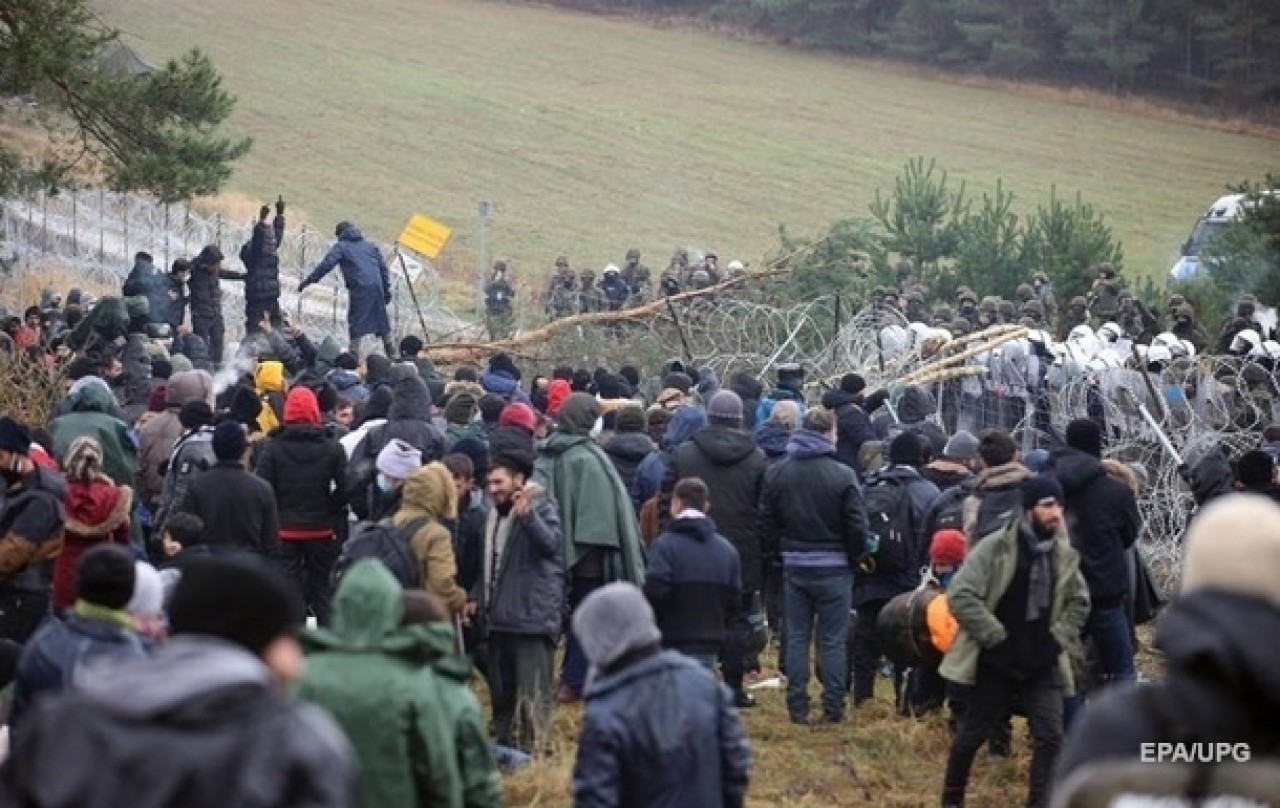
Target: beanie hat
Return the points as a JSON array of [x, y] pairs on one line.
[[195, 414], [725, 407], [1233, 545], [947, 548], [852, 384], [237, 598], [246, 406], [630, 374], [229, 441], [105, 576], [301, 407], [519, 415], [557, 392], [346, 361], [460, 409], [1085, 435], [491, 406], [1255, 468], [612, 622], [156, 400], [608, 387], [502, 362], [377, 369], [210, 255], [476, 450], [907, 450], [1039, 487], [678, 380], [411, 346], [148, 591], [578, 414], [398, 459], [963, 446], [14, 437], [630, 418]]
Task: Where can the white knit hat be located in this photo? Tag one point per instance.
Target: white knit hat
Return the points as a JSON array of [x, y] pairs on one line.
[[398, 459], [148, 592], [1234, 546]]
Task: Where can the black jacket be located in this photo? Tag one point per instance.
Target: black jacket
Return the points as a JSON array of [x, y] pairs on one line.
[[203, 718], [306, 468], [1222, 686], [694, 583], [204, 291], [238, 509], [262, 261], [628, 450], [814, 501], [853, 426], [749, 389], [468, 537], [1103, 522], [146, 281], [728, 461]]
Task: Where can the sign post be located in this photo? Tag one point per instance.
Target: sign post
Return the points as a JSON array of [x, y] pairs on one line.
[[426, 237]]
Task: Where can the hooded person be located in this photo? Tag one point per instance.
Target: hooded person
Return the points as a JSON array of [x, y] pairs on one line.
[[428, 503], [408, 421], [346, 380], [629, 445], [853, 425], [367, 672], [460, 418], [557, 391], [502, 378], [657, 729], [157, 438], [955, 465], [213, 698], [97, 512], [750, 390], [686, 422], [269, 384], [91, 417], [368, 282], [1221, 682], [601, 537]]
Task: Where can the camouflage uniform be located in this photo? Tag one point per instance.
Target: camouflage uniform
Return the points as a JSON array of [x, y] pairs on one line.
[[636, 276], [1044, 293], [1245, 309], [1137, 321], [562, 297], [1104, 297], [1006, 312], [498, 300], [1033, 311], [915, 308], [988, 312], [1077, 314], [1023, 294], [589, 298], [1184, 327], [967, 305]]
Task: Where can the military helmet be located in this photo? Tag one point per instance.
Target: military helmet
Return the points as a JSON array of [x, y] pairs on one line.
[[1079, 302], [633, 254], [915, 297], [1184, 310], [1106, 270], [587, 275], [1041, 277], [1034, 309], [989, 304], [1005, 307], [944, 313], [1024, 292], [1175, 301], [960, 326], [965, 293], [562, 262], [499, 266]]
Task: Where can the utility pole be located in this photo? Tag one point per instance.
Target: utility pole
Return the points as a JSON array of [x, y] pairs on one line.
[[482, 257]]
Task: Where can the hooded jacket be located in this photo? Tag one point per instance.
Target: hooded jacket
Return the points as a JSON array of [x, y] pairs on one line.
[[995, 498], [1222, 685], [204, 291], [228, 735], [853, 426], [1103, 522], [157, 438], [306, 469], [96, 511], [262, 261], [429, 492], [90, 417], [409, 420], [628, 450], [687, 422], [367, 672], [749, 390], [731, 465], [772, 440], [503, 383], [813, 502], [348, 384], [268, 383], [661, 732], [361, 263], [694, 583]]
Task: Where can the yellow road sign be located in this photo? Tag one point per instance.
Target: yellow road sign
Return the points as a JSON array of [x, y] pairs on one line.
[[424, 235]]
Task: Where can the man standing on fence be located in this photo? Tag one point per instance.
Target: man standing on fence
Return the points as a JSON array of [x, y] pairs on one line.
[[261, 259], [368, 284]]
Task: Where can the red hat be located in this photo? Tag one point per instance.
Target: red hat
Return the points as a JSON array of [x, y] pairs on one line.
[[520, 415], [557, 392], [301, 407], [947, 549]]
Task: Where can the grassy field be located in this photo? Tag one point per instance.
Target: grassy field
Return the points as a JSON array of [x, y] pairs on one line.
[[593, 134]]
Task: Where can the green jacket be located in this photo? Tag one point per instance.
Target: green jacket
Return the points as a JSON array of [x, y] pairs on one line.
[[595, 508], [984, 578], [379, 683], [91, 416]]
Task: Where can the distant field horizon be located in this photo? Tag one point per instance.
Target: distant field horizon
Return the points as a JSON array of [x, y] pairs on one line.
[[595, 134]]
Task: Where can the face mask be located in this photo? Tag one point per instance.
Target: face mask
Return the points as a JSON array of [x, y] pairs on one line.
[[385, 485]]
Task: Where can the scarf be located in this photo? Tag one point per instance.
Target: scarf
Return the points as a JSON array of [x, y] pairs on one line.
[[497, 531], [1040, 582], [92, 611]]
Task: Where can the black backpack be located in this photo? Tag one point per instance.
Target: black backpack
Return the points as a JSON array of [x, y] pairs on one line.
[[192, 455], [888, 502], [387, 543]]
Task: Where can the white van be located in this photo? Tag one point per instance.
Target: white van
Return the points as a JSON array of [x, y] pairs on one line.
[[1211, 225]]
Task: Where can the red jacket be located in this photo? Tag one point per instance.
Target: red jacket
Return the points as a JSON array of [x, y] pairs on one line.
[[97, 512]]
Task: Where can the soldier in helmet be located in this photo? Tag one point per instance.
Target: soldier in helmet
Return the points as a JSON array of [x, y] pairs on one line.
[[1033, 311], [636, 276], [967, 305], [1043, 291], [943, 316], [1184, 327], [706, 274], [1246, 307], [1137, 321], [915, 307], [589, 297], [960, 327], [1023, 293], [903, 270], [562, 298], [673, 277], [1104, 296], [988, 312], [1005, 312], [613, 290], [890, 298], [1077, 314], [499, 298]]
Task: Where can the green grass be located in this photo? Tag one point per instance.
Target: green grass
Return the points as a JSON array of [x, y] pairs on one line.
[[594, 134]]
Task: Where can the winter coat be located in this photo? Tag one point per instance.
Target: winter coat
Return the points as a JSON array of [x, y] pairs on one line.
[[983, 579], [853, 426], [1222, 685], [749, 390], [694, 583], [502, 383], [209, 711], [306, 469], [348, 384], [884, 584], [946, 474], [204, 292], [262, 262], [238, 509], [468, 537], [765, 408], [813, 502], [772, 440], [409, 420], [509, 439], [595, 511], [366, 672], [31, 531], [661, 731], [96, 512], [60, 654], [1103, 522], [145, 281], [628, 450], [89, 417], [529, 588], [728, 461], [364, 273], [995, 499], [431, 495], [158, 436]]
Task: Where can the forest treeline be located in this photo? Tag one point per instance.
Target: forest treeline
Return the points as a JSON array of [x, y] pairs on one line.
[[1225, 54]]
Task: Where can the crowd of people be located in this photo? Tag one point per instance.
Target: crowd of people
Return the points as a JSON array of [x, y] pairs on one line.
[[280, 573]]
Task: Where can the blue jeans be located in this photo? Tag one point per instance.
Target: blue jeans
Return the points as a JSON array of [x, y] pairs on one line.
[[1109, 629], [573, 672], [824, 596]]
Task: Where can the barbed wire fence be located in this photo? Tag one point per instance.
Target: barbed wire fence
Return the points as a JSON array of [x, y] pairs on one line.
[[94, 234]]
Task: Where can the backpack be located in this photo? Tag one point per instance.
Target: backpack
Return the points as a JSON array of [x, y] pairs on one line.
[[388, 544], [191, 455], [888, 503], [948, 510], [362, 469]]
